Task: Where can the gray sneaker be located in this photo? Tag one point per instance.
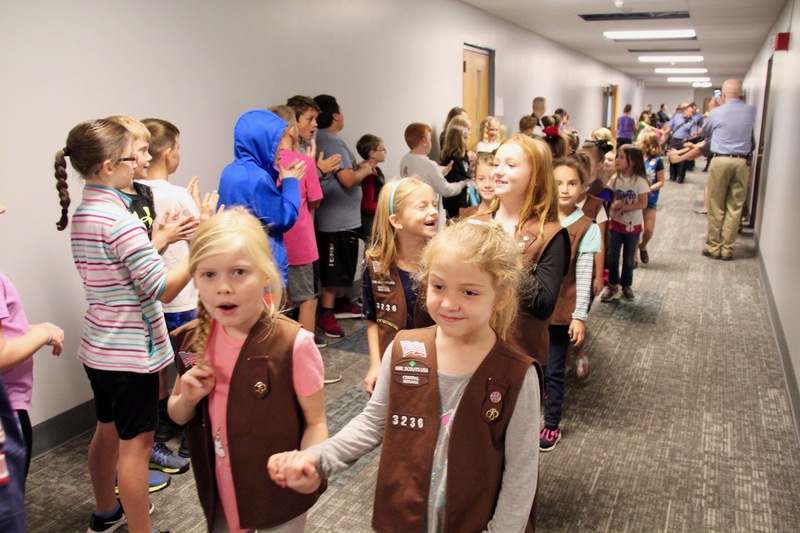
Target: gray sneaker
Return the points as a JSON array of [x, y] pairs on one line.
[[627, 293], [611, 293]]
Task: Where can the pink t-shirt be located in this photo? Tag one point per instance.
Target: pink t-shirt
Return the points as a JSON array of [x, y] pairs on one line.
[[18, 380], [222, 353], [301, 243]]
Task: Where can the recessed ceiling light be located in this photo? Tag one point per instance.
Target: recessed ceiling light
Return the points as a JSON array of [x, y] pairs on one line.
[[682, 79], [648, 35], [702, 84], [670, 59], [681, 70]]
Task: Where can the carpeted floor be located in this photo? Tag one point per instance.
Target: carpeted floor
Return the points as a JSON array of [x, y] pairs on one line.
[[683, 425]]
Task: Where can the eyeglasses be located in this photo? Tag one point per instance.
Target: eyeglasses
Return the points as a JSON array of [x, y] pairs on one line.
[[134, 158]]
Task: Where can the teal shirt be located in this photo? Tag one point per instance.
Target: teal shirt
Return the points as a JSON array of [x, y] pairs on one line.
[[590, 243]]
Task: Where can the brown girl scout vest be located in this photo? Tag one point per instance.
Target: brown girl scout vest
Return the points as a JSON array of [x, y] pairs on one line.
[[562, 315], [477, 437], [592, 206], [390, 304], [528, 333], [262, 390]]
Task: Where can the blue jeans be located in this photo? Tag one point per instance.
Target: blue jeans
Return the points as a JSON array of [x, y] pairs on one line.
[[555, 375], [627, 243]]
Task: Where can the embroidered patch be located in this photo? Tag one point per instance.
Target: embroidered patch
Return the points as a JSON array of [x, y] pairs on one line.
[[401, 420], [413, 349], [495, 397], [189, 359], [411, 373], [493, 402], [389, 323]]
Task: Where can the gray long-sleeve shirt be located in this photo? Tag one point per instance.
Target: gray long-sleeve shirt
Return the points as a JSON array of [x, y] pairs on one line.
[[365, 432]]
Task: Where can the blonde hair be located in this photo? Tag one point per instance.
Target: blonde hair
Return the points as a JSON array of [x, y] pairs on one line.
[[540, 202], [485, 246], [649, 143], [382, 246], [138, 130], [604, 134], [228, 232], [483, 132]]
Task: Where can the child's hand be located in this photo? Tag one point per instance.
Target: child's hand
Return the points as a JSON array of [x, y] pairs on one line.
[[208, 207], [196, 383], [371, 378], [328, 165], [173, 228], [295, 170], [311, 150], [577, 332], [296, 470], [598, 285], [56, 336], [446, 169], [194, 190], [617, 205], [471, 156]]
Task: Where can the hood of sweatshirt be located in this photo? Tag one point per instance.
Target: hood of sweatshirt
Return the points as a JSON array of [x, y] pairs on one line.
[[256, 137]]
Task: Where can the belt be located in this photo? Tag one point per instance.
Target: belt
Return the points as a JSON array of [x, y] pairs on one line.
[[734, 156]]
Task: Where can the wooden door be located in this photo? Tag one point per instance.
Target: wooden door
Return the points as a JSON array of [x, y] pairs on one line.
[[477, 85]]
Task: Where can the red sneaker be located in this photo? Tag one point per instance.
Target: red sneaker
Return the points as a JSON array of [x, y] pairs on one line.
[[347, 309], [329, 325]]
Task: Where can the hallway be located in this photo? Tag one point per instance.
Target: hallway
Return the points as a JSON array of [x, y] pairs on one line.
[[683, 425]]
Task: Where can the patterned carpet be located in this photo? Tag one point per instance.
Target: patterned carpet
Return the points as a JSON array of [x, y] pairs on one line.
[[683, 425]]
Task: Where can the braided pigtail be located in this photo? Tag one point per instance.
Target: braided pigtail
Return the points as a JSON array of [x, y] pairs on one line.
[[203, 330], [60, 166]]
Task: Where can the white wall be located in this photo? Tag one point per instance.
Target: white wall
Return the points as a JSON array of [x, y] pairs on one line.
[[200, 64], [672, 96], [778, 225]]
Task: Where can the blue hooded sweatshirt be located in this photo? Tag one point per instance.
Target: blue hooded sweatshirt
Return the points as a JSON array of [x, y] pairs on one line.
[[252, 179]]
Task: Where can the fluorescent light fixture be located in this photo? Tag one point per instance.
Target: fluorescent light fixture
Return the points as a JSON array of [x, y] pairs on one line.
[[649, 35], [690, 80], [702, 84], [681, 70], [670, 59]]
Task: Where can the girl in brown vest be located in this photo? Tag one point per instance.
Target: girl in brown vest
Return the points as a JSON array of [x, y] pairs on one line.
[[482, 183], [405, 220], [455, 406], [525, 206], [251, 380], [568, 323]]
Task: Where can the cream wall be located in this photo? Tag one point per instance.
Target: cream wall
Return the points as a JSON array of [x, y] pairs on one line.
[[779, 218], [200, 64]]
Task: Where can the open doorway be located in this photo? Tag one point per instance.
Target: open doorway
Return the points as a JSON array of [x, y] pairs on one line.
[[610, 108], [751, 205], [478, 86]]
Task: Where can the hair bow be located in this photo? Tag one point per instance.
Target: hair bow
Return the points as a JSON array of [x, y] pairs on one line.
[[551, 131], [603, 145]]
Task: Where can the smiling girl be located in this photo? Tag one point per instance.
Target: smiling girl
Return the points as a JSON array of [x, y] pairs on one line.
[[526, 207], [405, 220], [457, 386], [251, 380]]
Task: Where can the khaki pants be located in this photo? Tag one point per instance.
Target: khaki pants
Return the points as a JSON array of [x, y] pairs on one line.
[[727, 188]]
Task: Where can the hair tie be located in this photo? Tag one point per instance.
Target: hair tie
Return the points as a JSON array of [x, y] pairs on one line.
[[603, 145], [551, 131], [394, 191], [66, 151]]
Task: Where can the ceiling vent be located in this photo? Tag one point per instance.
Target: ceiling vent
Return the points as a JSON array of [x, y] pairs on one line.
[[653, 15]]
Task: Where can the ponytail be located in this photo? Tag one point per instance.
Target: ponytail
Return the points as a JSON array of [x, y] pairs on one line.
[[60, 166]]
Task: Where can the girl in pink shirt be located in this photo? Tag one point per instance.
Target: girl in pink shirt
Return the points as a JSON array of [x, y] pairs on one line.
[[16, 363], [251, 380]]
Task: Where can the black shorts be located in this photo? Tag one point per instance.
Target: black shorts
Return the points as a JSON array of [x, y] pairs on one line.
[[128, 399], [338, 257]]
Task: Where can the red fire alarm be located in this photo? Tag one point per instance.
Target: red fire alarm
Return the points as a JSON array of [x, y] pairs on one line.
[[781, 41]]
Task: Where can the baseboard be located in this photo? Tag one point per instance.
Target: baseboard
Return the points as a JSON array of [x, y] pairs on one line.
[[63, 428], [783, 347]]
